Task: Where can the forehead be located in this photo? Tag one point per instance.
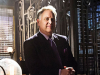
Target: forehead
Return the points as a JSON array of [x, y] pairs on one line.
[[47, 13]]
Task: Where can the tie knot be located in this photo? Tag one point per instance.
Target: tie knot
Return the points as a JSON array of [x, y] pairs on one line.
[[50, 41]]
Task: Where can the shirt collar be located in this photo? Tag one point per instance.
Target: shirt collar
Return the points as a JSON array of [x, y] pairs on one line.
[[44, 35]]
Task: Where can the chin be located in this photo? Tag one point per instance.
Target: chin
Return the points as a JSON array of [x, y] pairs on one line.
[[49, 31]]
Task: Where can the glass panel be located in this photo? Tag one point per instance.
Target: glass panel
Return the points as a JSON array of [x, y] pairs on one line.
[[6, 31]]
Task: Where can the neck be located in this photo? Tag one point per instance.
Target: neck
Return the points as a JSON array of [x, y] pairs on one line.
[[49, 34]]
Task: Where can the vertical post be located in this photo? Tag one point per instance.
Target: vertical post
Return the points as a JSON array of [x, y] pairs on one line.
[[73, 27], [58, 17], [35, 26], [23, 31], [23, 23]]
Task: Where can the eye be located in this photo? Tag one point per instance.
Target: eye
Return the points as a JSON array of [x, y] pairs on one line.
[[52, 19], [46, 18]]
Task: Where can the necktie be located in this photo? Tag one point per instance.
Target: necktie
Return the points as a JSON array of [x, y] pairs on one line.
[[54, 47]]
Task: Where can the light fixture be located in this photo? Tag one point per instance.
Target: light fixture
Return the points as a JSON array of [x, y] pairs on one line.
[[63, 0], [2, 70], [9, 67], [11, 51]]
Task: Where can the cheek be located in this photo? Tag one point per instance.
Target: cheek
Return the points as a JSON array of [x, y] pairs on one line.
[[44, 24]]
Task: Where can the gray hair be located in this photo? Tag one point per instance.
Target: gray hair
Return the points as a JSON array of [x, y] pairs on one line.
[[49, 7]]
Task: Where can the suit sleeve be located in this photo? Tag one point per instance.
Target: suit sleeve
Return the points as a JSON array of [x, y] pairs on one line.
[[69, 59], [31, 57]]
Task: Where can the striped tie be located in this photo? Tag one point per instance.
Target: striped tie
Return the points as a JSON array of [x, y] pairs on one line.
[[54, 47]]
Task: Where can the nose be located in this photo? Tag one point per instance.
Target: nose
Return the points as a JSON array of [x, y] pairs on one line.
[[50, 21]]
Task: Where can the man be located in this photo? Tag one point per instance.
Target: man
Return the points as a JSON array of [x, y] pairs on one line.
[[46, 52]]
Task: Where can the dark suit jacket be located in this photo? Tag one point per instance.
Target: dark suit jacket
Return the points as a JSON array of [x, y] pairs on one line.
[[40, 58]]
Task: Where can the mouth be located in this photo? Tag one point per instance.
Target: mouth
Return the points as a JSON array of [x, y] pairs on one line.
[[49, 26]]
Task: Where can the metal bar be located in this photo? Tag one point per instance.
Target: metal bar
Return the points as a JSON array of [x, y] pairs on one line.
[[96, 55], [23, 32], [87, 41], [82, 24], [93, 17]]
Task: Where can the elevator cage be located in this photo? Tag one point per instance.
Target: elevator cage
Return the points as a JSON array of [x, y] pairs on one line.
[[79, 20]]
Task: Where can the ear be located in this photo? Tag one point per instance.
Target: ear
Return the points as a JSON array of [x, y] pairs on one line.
[[38, 22]]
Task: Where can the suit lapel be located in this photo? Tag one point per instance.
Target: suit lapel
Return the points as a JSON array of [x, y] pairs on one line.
[[46, 53]]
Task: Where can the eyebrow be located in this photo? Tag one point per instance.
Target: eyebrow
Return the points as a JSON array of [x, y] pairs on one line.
[[48, 17]]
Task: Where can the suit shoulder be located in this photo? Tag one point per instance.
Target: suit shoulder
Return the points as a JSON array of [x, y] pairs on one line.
[[34, 37], [60, 36]]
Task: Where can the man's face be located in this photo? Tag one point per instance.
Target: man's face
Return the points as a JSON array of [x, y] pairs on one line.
[[46, 22]]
